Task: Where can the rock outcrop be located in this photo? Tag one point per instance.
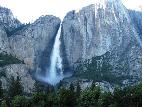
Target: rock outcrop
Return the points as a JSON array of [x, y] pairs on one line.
[[7, 24], [136, 17], [7, 20], [17, 70], [100, 28], [4, 44]]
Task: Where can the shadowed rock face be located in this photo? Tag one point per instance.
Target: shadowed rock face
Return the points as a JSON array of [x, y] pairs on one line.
[[136, 17], [101, 28], [4, 44]]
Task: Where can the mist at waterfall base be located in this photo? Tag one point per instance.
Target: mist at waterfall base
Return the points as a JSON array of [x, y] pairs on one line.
[[54, 73], [52, 79]]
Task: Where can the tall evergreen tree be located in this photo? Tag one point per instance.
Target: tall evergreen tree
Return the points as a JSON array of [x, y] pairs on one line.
[[90, 98], [60, 84], [18, 86], [20, 101], [11, 89], [93, 85], [15, 87], [38, 87], [66, 98], [3, 104], [1, 90], [71, 87], [78, 90]]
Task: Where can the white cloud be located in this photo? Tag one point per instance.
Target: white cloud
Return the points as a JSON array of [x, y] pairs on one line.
[[29, 10], [133, 4]]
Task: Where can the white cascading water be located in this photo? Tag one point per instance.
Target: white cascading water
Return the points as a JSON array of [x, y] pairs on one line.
[[54, 73]]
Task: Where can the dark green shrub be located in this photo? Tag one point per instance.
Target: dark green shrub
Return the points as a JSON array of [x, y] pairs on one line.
[[6, 59]]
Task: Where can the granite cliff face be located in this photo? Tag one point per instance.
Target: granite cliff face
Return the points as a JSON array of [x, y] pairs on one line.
[[104, 38], [7, 24], [15, 70], [33, 43], [30, 43], [104, 27], [4, 44], [136, 17], [7, 20]]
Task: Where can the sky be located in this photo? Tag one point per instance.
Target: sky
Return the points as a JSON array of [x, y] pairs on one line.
[[29, 10]]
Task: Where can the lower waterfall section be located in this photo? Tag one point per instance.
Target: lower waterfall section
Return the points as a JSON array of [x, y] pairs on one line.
[[54, 74]]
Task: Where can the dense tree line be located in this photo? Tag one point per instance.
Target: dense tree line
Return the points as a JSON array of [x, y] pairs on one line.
[[73, 96]]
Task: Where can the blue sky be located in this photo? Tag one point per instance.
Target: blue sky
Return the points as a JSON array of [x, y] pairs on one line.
[[29, 10]]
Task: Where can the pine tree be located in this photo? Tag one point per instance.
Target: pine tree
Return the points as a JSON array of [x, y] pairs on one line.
[[90, 98], [15, 87], [11, 89], [19, 101], [93, 85], [38, 87], [3, 104], [18, 86], [78, 90], [66, 98], [1, 90], [60, 84], [71, 88]]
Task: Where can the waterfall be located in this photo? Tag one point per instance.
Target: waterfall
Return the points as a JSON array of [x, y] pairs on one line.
[[54, 73]]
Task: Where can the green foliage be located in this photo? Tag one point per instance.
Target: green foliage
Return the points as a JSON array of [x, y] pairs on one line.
[[42, 88], [38, 87], [20, 101], [90, 97], [51, 100], [44, 100], [1, 90], [106, 99], [3, 104], [15, 87], [6, 59], [9, 33], [71, 87], [66, 98], [97, 69], [60, 84], [78, 90], [38, 99], [2, 73]]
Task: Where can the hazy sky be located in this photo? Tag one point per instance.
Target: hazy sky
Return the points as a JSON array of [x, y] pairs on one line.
[[30, 10]]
